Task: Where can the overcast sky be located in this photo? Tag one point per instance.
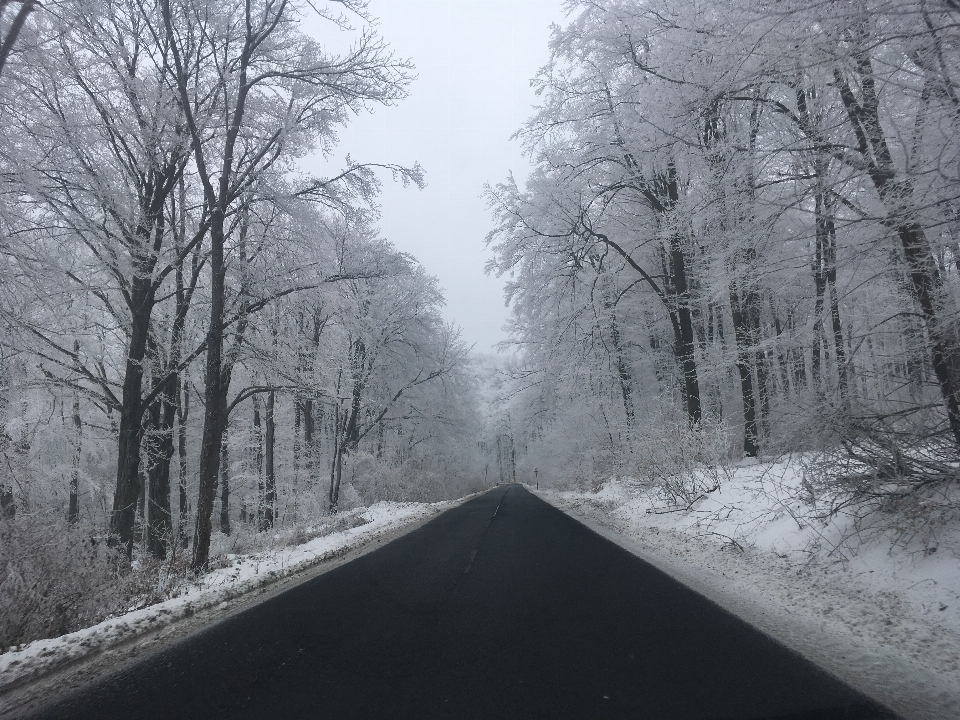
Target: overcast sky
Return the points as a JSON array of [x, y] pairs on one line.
[[474, 60]]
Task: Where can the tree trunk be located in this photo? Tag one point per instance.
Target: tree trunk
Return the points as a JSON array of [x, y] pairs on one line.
[[623, 371], [684, 348], [336, 465], [215, 397], [715, 335], [358, 361], [159, 455], [297, 444], [754, 325], [182, 412], [820, 288], [685, 341], [258, 463], [225, 484], [270, 485], [500, 474], [742, 333], [142, 509], [309, 428], [26, 7], [839, 349], [73, 512], [128, 489], [336, 474]]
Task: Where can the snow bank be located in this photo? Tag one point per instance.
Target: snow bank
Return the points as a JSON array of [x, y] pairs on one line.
[[870, 602], [242, 574]]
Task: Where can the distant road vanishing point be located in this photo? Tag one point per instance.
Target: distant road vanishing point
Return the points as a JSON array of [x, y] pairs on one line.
[[503, 607]]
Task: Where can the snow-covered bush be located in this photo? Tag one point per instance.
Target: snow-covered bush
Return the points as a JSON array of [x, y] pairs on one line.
[[680, 462], [889, 472], [374, 479], [54, 579]]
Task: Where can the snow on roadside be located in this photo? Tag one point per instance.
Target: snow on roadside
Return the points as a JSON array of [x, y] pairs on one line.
[[886, 603], [242, 574]]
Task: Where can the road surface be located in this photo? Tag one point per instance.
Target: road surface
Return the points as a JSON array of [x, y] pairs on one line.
[[503, 607]]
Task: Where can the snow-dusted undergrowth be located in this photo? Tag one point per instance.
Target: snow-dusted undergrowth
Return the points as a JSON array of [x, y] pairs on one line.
[[865, 597], [239, 575]]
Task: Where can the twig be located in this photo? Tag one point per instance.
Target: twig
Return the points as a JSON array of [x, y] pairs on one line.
[[729, 539], [688, 507]]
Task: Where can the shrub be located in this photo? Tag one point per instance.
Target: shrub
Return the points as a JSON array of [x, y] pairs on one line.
[[54, 579], [679, 462]]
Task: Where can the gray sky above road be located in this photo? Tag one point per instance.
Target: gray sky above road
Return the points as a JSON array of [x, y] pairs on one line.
[[474, 60]]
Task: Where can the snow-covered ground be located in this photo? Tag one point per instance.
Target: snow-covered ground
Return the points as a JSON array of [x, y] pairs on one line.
[[881, 609], [240, 575]]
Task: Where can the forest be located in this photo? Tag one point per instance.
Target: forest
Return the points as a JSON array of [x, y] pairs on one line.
[[197, 336], [740, 239]]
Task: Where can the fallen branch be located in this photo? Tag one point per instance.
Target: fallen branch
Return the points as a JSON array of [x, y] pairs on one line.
[[688, 507], [730, 540]]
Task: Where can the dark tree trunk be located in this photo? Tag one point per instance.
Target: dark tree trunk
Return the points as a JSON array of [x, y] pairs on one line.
[[358, 361], [820, 289], [148, 241], [336, 474], [839, 349], [225, 484], [754, 325], [128, 490], [349, 436], [715, 334], [142, 510], [336, 465], [297, 443], [8, 508], [215, 397], [783, 377], [270, 485], [500, 457], [258, 463], [684, 348], [73, 512], [26, 7], [159, 455], [623, 371], [309, 440], [183, 412], [685, 339], [742, 332]]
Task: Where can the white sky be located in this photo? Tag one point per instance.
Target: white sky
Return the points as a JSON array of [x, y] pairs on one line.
[[474, 61]]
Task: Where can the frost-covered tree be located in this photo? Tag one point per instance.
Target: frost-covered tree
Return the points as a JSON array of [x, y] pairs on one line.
[[779, 181]]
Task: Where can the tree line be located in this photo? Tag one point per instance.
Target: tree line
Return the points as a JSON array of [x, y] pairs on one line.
[[188, 315], [741, 215]]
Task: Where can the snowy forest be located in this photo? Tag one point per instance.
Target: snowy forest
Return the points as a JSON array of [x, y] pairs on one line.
[[739, 239], [198, 337]]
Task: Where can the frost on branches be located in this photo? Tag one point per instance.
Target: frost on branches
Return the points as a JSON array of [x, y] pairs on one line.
[[740, 238], [200, 339]]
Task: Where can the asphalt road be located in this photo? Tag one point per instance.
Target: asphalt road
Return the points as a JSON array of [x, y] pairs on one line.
[[501, 608]]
